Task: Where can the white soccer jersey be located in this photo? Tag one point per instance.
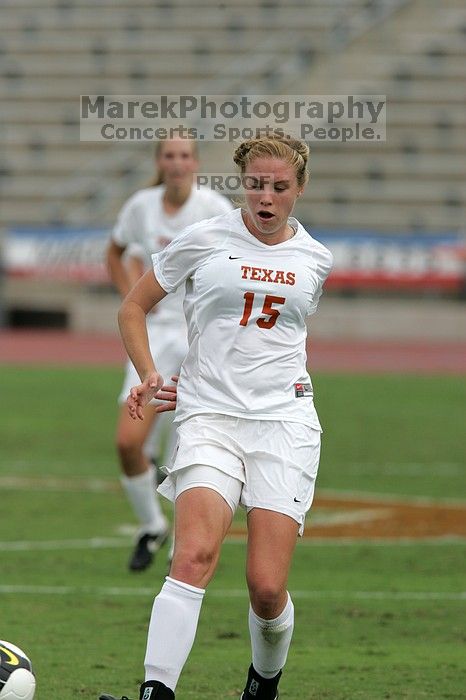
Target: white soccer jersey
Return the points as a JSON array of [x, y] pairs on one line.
[[245, 304], [145, 227]]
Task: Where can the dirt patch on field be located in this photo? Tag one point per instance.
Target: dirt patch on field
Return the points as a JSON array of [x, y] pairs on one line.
[[340, 517]]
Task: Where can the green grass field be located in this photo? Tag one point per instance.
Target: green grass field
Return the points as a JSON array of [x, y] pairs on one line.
[[373, 621]]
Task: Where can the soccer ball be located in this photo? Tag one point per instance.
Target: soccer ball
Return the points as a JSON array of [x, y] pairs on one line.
[[17, 680]]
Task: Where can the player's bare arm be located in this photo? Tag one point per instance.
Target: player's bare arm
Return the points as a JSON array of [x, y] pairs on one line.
[[134, 269], [117, 269], [132, 321]]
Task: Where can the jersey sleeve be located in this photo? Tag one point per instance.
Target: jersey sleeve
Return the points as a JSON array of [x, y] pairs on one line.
[[324, 262], [221, 205], [136, 250], [128, 226], [213, 203], [180, 258]]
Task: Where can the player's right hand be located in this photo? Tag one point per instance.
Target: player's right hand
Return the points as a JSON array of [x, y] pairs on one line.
[[140, 395]]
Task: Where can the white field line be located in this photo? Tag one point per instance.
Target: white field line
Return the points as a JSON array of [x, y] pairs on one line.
[[54, 483], [390, 498], [406, 468], [63, 545], [120, 542], [381, 542], [236, 593], [321, 516], [358, 541]]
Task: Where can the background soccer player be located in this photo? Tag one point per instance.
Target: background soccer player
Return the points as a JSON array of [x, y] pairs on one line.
[[149, 220]]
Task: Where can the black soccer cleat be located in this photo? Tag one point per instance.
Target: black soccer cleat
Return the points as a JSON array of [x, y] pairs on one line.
[[145, 550], [150, 690], [258, 688], [155, 690]]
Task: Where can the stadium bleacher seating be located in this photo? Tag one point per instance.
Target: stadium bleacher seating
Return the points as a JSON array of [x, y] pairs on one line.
[[51, 51]]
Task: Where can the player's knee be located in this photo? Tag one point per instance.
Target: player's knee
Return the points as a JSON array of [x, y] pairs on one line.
[[194, 564], [128, 448], [265, 595]]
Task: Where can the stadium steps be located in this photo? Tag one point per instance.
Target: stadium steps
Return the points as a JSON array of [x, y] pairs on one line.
[[24, 161], [431, 44], [370, 190], [380, 217], [101, 44], [169, 5], [425, 123], [52, 50], [208, 18], [319, 214], [411, 139]]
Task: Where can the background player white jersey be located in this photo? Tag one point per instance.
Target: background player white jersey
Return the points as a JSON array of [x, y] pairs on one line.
[[144, 225]]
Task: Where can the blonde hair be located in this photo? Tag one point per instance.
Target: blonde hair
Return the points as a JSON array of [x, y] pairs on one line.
[[286, 148], [158, 178]]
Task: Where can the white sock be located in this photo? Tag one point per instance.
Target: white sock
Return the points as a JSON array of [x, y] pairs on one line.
[[140, 491], [270, 640], [172, 629]]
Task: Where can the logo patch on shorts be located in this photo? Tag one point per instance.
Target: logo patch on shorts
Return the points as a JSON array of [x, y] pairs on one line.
[[302, 390]]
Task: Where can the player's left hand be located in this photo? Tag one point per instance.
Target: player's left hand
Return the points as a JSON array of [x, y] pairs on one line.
[[167, 394]]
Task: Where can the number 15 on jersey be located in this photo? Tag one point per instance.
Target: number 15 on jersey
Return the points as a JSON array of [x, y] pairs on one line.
[[267, 310]]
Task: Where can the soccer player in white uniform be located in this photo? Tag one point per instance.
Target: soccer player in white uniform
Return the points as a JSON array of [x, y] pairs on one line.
[[148, 221], [248, 430]]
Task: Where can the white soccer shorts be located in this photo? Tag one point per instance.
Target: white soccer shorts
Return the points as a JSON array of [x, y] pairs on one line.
[[274, 463]]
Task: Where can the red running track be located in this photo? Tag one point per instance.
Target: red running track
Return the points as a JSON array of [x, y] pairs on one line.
[[65, 348]]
